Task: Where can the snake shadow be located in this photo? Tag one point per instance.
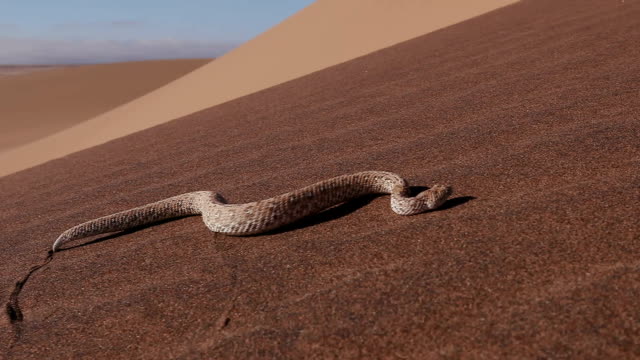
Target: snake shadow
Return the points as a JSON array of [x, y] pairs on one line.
[[327, 215]]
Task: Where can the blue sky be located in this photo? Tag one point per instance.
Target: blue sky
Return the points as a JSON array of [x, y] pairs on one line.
[[75, 31]]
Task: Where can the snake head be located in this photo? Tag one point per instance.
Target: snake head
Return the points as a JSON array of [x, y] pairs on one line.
[[403, 204], [435, 196]]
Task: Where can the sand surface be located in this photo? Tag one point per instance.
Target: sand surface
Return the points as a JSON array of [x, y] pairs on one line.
[[530, 112], [38, 101], [326, 33]]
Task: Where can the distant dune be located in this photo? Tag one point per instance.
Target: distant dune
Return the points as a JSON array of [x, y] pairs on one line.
[[9, 70], [326, 33], [35, 103]]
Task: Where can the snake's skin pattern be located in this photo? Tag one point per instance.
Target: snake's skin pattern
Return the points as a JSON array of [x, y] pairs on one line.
[[264, 215]]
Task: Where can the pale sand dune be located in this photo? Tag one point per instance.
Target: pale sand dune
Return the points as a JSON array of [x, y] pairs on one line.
[[37, 101], [326, 33]]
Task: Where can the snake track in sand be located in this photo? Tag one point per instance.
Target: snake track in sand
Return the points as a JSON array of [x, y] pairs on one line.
[[264, 215]]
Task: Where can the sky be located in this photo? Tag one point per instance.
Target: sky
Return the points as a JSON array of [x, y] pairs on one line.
[[76, 31]]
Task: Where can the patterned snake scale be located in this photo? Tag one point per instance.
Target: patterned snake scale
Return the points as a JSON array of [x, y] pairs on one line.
[[264, 215]]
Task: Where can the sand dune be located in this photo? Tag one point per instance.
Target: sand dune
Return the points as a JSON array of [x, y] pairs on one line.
[[530, 112], [326, 33], [36, 103]]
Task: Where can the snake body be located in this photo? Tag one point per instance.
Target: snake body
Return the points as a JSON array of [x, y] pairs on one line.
[[265, 215]]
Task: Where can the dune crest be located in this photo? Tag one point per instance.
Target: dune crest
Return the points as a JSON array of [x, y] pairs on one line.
[[326, 33]]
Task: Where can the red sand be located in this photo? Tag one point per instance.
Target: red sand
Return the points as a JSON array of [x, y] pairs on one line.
[[530, 112]]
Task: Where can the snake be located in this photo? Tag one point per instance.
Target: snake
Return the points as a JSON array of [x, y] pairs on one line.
[[265, 215]]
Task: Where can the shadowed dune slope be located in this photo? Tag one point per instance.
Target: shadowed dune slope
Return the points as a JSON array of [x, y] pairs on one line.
[[324, 34], [530, 112], [37, 104]]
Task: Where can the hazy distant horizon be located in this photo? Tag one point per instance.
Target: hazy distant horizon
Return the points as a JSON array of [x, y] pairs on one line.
[[28, 52], [74, 32]]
